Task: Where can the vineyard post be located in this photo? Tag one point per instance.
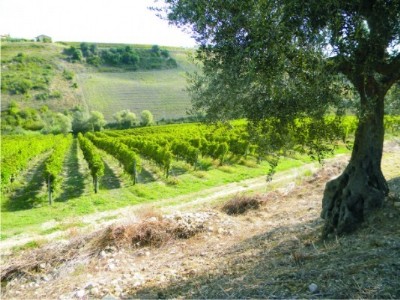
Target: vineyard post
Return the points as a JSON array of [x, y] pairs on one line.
[[96, 184], [134, 172], [49, 190]]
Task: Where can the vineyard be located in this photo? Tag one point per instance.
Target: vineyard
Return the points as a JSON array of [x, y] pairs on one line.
[[50, 176]]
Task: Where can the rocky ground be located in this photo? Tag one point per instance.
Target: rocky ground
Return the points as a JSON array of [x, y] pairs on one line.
[[273, 250]]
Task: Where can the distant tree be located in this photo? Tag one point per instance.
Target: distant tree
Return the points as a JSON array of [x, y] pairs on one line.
[[146, 118], [93, 49], [79, 121], [96, 121], [85, 49], [94, 60], [74, 53], [164, 53], [56, 123], [130, 58], [155, 50], [125, 118], [47, 39], [64, 123]]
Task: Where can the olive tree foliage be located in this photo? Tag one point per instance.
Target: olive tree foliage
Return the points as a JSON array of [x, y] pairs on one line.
[[279, 60], [393, 100]]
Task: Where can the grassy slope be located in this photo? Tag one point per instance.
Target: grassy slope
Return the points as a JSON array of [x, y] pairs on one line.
[[53, 54]]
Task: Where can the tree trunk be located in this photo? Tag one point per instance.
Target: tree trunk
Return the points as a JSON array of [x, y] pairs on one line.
[[361, 187], [134, 173], [96, 184]]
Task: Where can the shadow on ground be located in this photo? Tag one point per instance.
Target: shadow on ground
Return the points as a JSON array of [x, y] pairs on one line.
[[109, 180], [145, 176], [176, 171], [284, 262], [29, 195], [74, 185], [394, 186]]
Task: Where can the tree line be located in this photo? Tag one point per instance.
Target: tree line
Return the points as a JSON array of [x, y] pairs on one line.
[[122, 56], [17, 119]]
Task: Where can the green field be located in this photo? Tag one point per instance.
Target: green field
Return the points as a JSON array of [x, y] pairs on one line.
[[161, 92]]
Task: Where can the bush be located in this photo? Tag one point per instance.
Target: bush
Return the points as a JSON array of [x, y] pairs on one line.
[[21, 86], [42, 96], [69, 75], [56, 95]]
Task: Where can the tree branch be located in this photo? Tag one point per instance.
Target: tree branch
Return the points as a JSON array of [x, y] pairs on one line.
[[341, 65], [390, 70]]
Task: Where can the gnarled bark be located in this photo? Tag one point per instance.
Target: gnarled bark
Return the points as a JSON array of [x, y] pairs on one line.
[[361, 187]]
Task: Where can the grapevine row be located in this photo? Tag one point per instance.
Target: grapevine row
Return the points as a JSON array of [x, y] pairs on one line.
[[17, 151], [162, 156], [127, 157], [54, 165], [93, 158]]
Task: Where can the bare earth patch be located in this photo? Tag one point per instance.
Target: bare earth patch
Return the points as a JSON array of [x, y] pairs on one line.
[[274, 251]]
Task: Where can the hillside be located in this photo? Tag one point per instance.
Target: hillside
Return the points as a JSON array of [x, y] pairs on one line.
[[37, 74], [196, 250]]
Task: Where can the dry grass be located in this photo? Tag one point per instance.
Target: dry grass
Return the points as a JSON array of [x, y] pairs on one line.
[[241, 203], [152, 230], [285, 258]]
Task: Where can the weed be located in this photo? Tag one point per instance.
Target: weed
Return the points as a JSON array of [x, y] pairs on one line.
[[79, 270], [149, 213], [200, 174], [172, 181], [226, 169], [29, 245], [50, 230], [248, 163]]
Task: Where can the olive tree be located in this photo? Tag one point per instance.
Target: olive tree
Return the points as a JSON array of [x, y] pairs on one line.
[[285, 59]]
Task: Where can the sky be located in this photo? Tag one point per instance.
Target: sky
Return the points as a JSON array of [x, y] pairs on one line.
[[112, 21]]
